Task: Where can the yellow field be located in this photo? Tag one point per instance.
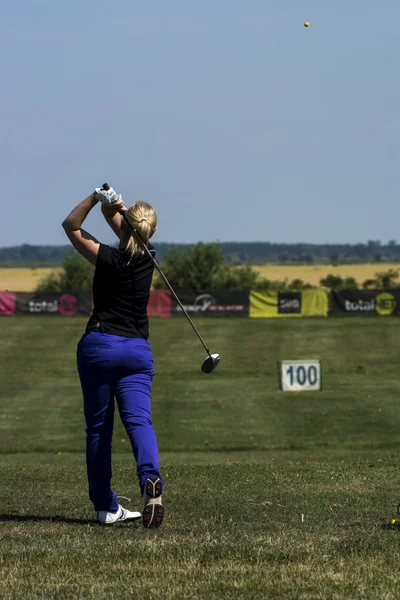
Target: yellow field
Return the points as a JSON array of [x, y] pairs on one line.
[[313, 273], [21, 279], [25, 280]]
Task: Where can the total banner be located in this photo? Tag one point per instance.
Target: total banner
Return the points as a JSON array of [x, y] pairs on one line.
[[365, 302], [220, 302], [64, 303], [71, 303], [306, 303]]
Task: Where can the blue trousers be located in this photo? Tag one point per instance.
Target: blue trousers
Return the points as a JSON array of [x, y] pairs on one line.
[[109, 367]]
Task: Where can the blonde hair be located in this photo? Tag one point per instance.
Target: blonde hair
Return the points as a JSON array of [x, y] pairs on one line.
[[143, 219]]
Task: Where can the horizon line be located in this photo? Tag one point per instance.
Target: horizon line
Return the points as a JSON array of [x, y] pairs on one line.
[[380, 244]]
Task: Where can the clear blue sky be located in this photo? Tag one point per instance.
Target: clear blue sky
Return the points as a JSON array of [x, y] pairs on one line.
[[235, 121]]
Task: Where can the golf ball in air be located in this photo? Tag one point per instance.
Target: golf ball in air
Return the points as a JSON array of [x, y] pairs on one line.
[[306, 24]]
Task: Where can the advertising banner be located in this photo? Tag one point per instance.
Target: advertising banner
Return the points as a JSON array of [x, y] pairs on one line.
[[71, 303], [306, 303], [220, 302], [365, 302], [159, 303], [7, 303], [64, 303]]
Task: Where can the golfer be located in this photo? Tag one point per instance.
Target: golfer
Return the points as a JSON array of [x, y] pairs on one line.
[[115, 360]]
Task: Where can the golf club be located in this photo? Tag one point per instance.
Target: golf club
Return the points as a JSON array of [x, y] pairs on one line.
[[212, 360]]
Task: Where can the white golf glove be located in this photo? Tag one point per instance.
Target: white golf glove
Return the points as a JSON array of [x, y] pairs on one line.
[[107, 197]]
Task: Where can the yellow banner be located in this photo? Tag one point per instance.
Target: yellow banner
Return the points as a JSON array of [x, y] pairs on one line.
[[307, 303]]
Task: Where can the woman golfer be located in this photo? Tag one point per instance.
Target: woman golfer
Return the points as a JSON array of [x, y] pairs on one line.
[[114, 357]]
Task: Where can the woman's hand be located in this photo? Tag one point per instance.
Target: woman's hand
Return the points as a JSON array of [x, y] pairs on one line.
[[107, 195], [109, 210]]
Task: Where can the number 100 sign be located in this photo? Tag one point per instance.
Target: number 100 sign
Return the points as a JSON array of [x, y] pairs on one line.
[[300, 375]]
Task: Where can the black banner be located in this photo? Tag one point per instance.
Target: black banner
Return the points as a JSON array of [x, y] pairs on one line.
[[365, 302], [64, 303], [289, 303], [221, 302]]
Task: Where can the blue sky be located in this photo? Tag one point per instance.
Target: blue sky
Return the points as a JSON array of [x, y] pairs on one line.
[[235, 121]]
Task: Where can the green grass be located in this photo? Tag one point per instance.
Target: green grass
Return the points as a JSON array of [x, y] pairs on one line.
[[287, 491]]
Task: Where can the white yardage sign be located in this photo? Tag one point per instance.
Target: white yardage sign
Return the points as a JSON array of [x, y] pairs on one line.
[[300, 375]]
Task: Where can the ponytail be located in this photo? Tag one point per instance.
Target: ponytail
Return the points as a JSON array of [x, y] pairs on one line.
[[143, 219]]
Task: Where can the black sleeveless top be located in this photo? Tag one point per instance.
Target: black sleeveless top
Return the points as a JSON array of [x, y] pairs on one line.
[[121, 291]]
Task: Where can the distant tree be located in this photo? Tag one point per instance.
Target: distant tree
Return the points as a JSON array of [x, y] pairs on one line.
[[236, 278], [174, 266], [349, 283], [369, 284], [383, 279], [262, 284], [277, 284], [386, 279], [334, 259], [196, 269], [53, 282], [76, 275], [299, 284], [206, 263], [202, 267], [333, 282], [234, 253], [274, 284]]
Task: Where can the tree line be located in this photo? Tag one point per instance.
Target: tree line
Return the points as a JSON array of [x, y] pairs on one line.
[[203, 268], [234, 253]]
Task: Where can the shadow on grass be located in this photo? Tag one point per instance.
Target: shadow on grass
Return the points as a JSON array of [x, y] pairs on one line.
[[46, 519]]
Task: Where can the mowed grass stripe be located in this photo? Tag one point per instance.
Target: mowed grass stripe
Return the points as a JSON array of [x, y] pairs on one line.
[[238, 407], [239, 539]]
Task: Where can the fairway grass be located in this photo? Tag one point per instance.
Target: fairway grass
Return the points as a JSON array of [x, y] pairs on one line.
[[268, 494], [239, 533]]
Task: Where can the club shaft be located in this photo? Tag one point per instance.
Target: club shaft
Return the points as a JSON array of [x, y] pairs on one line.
[[167, 282]]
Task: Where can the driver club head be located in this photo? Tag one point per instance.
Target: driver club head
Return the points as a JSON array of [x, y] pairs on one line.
[[210, 363]]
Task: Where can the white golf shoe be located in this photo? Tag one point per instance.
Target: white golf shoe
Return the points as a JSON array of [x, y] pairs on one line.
[[108, 518]]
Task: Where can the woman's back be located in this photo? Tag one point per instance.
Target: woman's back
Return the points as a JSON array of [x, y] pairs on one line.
[[121, 291]]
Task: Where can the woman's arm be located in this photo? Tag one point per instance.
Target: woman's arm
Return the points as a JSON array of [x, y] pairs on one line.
[[113, 218], [84, 243]]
